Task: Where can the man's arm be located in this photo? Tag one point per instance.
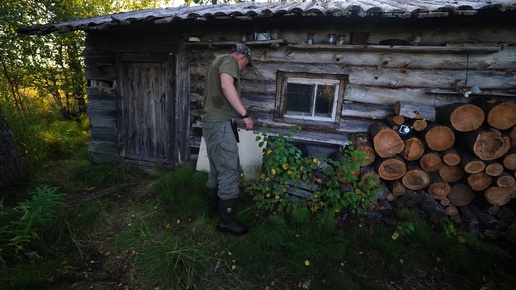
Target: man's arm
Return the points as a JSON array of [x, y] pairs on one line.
[[228, 87]]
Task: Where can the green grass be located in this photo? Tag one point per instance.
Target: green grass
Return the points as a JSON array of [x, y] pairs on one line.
[[155, 232]]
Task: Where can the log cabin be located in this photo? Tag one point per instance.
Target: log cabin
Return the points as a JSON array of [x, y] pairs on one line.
[[333, 68]]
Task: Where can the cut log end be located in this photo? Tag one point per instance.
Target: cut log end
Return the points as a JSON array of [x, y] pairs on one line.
[[440, 138], [461, 194], [497, 195], [502, 116]]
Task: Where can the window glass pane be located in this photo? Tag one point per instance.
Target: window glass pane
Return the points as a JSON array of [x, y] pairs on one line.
[[324, 100], [299, 98]]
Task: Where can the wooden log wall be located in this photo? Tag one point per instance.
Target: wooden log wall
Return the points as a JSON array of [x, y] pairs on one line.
[[377, 79]]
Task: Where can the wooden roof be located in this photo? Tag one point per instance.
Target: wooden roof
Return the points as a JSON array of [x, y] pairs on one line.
[[253, 10]]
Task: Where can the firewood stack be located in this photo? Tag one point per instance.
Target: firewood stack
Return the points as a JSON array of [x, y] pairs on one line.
[[462, 156]]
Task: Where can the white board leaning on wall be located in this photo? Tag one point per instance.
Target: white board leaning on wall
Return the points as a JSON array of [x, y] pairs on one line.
[[249, 151]]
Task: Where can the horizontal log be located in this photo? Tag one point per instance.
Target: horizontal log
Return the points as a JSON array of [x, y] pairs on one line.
[[415, 178], [414, 110], [430, 161], [486, 143], [363, 143], [386, 141], [500, 115], [505, 179], [494, 168], [461, 194], [451, 173], [413, 149], [461, 117], [391, 168], [479, 181], [451, 156], [438, 137], [497, 195], [509, 161]]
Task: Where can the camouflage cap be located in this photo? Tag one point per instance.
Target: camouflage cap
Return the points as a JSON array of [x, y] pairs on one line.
[[242, 49]]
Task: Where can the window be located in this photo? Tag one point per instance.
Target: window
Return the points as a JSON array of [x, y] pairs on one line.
[[314, 97]]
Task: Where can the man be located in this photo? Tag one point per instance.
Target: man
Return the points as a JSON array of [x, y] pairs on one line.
[[222, 104]]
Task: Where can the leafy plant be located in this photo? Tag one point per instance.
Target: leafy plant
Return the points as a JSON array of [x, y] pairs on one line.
[[290, 180], [34, 213]]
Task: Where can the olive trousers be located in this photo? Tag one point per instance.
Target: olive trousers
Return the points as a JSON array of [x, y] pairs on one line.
[[222, 150]]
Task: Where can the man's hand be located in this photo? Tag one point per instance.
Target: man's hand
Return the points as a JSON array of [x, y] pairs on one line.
[[248, 123]]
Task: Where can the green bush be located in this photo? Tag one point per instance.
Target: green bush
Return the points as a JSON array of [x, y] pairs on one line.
[[288, 176]]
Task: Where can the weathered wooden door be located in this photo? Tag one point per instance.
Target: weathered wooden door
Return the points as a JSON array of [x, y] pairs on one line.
[[145, 87]]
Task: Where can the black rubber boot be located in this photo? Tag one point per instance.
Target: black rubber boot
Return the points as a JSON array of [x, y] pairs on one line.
[[228, 223], [213, 201]]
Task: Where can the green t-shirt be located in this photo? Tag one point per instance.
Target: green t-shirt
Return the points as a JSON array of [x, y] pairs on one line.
[[216, 106]]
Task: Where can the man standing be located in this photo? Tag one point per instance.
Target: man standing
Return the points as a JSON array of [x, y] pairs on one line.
[[222, 104]]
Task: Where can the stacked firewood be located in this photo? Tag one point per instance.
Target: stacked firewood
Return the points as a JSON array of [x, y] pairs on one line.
[[457, 160]]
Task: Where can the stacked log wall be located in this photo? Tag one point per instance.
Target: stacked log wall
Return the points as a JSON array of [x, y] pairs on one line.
[[476, 185]]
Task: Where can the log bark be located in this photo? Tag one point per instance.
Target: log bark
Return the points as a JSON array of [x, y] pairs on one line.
[[415, 110], [460, 116], [363, 143], [415, 178], [486, 143], [386, 141], [430, 161], [451, 156], [497, 195], [438, 137], [451, 173], [461, 194], [509, 161], [390, 168], [494, 168], [479, 181], [438, 188], [413, 149]]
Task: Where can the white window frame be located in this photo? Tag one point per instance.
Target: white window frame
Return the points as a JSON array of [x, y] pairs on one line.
[[284, 78]]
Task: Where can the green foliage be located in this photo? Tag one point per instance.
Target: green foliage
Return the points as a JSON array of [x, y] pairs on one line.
[[184, 186], [34, 213], [287, 174]]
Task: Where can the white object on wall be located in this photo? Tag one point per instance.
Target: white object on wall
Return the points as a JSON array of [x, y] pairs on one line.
[[249, 151]]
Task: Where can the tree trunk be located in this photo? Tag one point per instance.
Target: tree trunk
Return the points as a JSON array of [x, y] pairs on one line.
[[485, 143], [386, 141], [13, 168], [438, 137], [461, 117]]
